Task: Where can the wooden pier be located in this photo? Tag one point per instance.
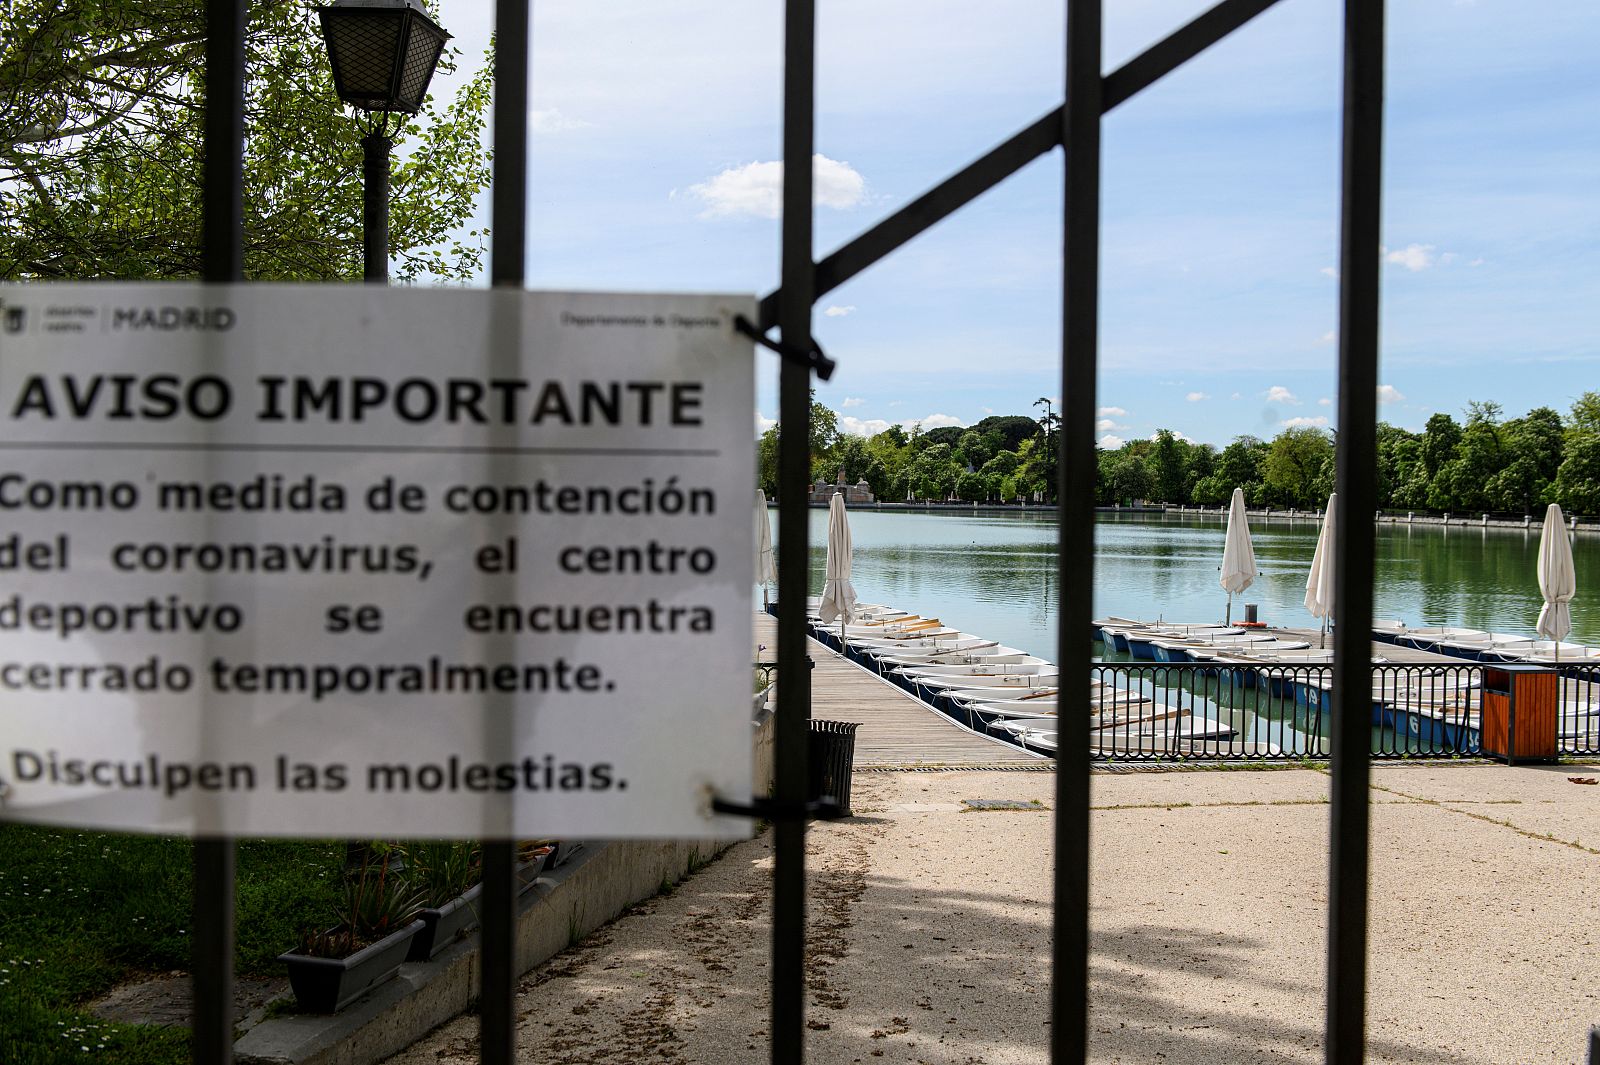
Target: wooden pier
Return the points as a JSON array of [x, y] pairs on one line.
[[897, 731]]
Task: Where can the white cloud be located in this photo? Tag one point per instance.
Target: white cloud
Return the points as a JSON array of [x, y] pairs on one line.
[[1319, 421], [757, 188], [1413, 257], [1106, 424], [851, 401], [1196, 397], [1324, 402], [551, 120], [1389, 394], [1476, 262], [937, 421], [1329, 271], [1111, 443], [763, 423], [1279, 394], [836, 311], [1328, 338], [1175, 433], [987, 410], [1236, 396], [1111, 412], [858, 427]]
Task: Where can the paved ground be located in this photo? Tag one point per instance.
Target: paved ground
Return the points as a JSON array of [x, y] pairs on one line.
[[929, 929]]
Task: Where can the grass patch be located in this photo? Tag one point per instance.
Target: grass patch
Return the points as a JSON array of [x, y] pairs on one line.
[[81, 912]]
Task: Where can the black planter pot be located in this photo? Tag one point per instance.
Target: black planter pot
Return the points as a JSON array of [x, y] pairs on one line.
[[442, 926], [325, 985], [528, 872]]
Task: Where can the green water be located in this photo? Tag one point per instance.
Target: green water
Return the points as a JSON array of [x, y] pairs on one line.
[[995, 575]]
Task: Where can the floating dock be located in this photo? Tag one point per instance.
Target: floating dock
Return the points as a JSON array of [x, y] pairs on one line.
[[896, 731]]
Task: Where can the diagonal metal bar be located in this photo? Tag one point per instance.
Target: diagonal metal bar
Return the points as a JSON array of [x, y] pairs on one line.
[[927, 210], [1022, 148], [1361, 183], [1177, 48]]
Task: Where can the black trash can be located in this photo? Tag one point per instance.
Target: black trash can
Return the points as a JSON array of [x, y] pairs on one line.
[[832, 754]]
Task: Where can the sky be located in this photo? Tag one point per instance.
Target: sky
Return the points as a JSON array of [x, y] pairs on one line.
[[655, 165]]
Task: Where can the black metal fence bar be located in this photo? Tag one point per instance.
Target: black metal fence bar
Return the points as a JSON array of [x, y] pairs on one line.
[[497, 1031], [1077, 468], [1579, 709], [1356, 456], [222, 250], [794, 476]]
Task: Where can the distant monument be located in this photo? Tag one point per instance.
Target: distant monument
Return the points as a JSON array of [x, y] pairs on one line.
[[860, 492]]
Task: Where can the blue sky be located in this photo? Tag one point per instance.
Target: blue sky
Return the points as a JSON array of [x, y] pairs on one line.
[[654, 166]]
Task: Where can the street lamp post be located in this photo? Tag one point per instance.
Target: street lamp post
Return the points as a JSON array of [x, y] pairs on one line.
[[384, 53]]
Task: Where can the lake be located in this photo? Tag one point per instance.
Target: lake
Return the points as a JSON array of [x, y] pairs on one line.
[[995, 574]]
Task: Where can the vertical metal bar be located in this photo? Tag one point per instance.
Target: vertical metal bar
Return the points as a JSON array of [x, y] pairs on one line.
[[1361, 181], [794, 547], [497, 1030], [1076, 465], [222, 251], [375, 208]]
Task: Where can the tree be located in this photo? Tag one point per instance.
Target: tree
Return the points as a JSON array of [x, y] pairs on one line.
[[1239, 466], [1012, 430], [972, 488], [1439, 439], [1046, 452], [933, 473], [1294, 465], [1462, 482], [1200, 463], [1577, 484], [1398, 453], [998, 470], [767, 462], [973, 449], [1533, 447], [1168, 464], [101, 118], [1129, 478]]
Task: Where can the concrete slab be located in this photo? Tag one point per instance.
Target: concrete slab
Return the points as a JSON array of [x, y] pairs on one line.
[[930, 929]]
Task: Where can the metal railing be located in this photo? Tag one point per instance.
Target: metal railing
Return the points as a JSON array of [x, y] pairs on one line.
[[1262, 711]]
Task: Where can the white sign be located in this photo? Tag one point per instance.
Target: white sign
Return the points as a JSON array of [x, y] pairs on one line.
[[354, 561]]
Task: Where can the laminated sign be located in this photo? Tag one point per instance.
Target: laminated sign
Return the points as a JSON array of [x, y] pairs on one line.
[[351, 561]]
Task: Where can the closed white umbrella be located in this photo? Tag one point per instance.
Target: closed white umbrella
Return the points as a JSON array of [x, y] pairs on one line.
[[838, 597], [1557, 579], [764, 571], [1319, 584], [1238, 554]]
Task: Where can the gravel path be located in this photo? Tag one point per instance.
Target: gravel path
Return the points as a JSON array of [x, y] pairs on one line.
[[929, 929]]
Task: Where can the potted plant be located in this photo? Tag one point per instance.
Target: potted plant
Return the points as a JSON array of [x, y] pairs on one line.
[[448, 874], [376, 921], [534, 856]]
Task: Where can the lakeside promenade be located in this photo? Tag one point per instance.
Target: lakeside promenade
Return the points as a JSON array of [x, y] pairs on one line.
[[929, 925]]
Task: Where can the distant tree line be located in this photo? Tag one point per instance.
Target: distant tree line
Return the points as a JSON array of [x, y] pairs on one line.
[[1486, 463]]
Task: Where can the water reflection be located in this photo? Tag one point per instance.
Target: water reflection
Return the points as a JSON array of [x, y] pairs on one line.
[[995, 575]]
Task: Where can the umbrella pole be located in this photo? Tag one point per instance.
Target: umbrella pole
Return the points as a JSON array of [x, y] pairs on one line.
[[1227, 617], [1322, 641]]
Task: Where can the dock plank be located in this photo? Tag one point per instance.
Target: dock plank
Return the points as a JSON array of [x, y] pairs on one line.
[[896, 731]]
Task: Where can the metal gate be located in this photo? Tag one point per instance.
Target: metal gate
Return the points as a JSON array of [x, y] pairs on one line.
[[1074, 127]]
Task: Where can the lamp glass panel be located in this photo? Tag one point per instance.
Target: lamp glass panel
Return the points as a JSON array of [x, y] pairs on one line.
[[422, 57], [365, 45]]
